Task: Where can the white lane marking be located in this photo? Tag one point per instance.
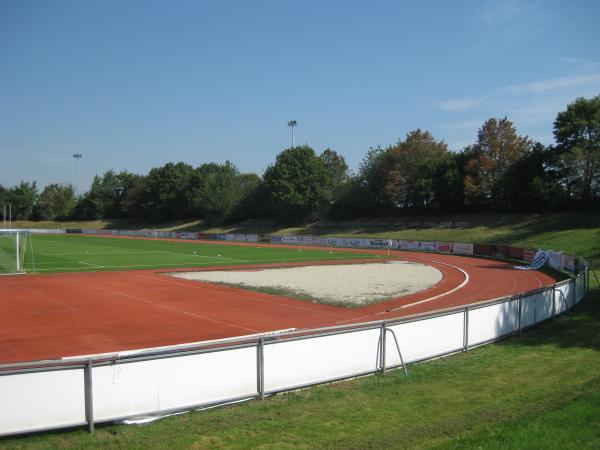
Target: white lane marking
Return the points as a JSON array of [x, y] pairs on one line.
[[160, 305]]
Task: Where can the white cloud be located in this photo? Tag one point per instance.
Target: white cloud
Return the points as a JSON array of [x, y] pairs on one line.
[[465, 104], [580, 62], [515, 18], [564, 82]]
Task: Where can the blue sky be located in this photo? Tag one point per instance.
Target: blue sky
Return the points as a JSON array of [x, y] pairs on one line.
[[135, 84]]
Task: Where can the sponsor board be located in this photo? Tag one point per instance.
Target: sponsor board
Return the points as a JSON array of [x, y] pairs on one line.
[[297, 240], [73, 231], [275, 239], [89, 231], [381, 243], [252, 238], [554, 259], [443, 246], [539, 260], [568, 263], [408, 245], [187, 235], [202, 235], [427, 245], [529, 254], [516, 252], [462, 248], [482, 249]]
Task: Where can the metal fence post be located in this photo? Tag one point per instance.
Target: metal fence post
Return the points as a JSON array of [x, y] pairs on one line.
[[553, 301], [466, 329], [260, 368], [383, 348], [89, 396], [519, 301]]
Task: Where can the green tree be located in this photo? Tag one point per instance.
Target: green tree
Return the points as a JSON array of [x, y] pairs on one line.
[[337, 171], [23, 199], [297, 184], [577, 133], [55, 202], [166, 193], [498, 147], [220, 191], [411, 170]]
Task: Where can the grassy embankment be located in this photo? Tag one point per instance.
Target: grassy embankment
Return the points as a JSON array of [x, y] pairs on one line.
[[539, 390]]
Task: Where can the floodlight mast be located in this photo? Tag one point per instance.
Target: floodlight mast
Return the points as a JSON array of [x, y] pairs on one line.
[[77, 157], [292, 124]]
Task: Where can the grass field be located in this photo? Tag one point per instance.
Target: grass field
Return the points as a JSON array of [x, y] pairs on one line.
[[68, 253], [539, 390]]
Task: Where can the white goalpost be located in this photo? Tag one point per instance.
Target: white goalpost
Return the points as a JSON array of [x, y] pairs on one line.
[[13, 247]]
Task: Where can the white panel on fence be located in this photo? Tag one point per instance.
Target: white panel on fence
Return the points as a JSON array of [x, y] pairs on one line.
[[41, 400], [544, 305], [425, 338], [563, 297], [208, 377], [294, 363], [528, 303], [124, 390], [491, 322]]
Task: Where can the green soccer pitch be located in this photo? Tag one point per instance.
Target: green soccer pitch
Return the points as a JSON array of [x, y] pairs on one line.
[[75, 253]]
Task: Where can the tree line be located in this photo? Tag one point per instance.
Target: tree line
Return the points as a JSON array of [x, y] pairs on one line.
[[501, 171]]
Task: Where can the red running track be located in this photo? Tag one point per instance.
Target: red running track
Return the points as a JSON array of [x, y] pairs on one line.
[[72, 314]]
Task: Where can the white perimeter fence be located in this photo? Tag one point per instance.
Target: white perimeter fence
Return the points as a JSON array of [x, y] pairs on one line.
[[65, 393]]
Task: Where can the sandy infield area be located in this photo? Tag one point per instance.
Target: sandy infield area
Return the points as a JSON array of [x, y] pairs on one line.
[[345, 284]]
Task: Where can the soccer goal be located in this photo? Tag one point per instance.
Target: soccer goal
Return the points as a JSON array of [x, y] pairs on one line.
[[13, 246]]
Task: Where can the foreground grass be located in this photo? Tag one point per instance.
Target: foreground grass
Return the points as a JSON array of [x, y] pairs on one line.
[[539, 390]]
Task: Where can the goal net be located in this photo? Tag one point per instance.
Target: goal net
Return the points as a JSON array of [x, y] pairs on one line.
[[13, 246]]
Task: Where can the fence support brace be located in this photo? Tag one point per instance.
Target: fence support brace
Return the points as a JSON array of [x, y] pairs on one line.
[[466, 329], [89, 396], [260, 368]]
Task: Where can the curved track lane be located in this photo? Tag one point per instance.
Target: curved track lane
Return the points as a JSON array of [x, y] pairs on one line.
[[70, 314]]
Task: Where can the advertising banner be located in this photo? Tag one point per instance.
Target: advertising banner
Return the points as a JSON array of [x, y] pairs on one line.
[[381, 243], [483, 249], [408, 245], [539, 260], [443, 246], [275, 240], [554, 259], [461, 248], [568, 263], [516, 252], [529, 254], [427, 245], [187, 235]]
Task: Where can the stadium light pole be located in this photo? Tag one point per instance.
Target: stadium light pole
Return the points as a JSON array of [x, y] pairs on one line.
[[292, 124], [77, 157]]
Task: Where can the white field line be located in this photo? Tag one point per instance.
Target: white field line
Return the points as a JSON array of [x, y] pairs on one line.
[[89, 264]]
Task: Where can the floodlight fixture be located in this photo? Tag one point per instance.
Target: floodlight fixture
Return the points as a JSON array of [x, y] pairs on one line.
[[292, 124]]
